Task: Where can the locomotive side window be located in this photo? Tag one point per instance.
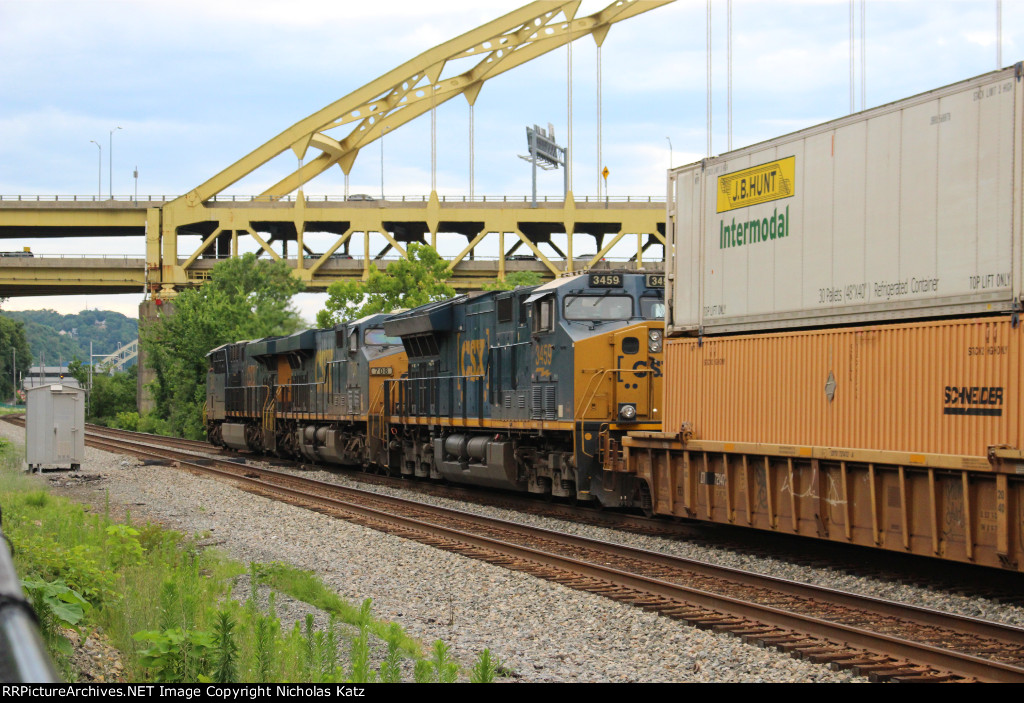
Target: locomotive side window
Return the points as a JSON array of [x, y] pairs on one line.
[[375, 336], [598, 307], [652, 308], [505, 308], [353, 341], [543, 319]]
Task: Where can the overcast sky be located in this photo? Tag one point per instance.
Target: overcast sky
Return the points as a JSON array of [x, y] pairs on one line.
[[195, 86]]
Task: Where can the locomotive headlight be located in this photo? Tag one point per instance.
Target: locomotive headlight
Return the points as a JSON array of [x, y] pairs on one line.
[[654, 341], [627, 412]]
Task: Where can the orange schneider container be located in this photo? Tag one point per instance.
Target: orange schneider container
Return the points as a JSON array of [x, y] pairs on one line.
[[941, 387]]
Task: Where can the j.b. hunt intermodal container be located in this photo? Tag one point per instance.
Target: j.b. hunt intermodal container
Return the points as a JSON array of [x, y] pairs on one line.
[[905, 211]]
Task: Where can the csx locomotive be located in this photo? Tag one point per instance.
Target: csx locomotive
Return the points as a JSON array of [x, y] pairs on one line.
[[529, 390]]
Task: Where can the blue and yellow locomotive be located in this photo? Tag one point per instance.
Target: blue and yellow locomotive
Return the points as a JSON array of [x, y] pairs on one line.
[[306, 395], [528, 390]]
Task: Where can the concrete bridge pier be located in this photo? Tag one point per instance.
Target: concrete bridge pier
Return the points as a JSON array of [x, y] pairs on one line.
[[148, 312]]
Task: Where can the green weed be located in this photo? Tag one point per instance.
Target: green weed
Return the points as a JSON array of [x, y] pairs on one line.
[[179, 623], [485, 669]]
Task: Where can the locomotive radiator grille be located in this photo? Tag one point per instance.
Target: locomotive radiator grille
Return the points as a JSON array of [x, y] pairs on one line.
[[543, 397]]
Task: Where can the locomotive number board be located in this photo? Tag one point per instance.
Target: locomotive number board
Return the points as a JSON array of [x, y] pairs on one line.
[[381, 371], [606, 280], [655, 280]]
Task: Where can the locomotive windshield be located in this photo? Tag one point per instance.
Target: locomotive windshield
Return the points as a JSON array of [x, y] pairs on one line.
[[652, 308], [598, 307], [376, 336]]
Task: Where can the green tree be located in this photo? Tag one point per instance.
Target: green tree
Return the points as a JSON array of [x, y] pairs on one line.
[[407, 283], [245, 298], [110, 393], [15, 355], [514, 280], [113, 394], [79, 371]]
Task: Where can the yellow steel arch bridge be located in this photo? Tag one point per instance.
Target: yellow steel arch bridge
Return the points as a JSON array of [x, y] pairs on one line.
[[335, 135]]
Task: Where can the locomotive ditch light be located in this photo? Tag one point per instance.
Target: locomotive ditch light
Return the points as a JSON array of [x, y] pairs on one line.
[[654, 341], [627, 412]]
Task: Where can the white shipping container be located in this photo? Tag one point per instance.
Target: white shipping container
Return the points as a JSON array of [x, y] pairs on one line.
[[908, 210]]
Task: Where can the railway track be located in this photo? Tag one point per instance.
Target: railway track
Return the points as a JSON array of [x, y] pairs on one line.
[[512, 501], [876, 638], [912, 570]]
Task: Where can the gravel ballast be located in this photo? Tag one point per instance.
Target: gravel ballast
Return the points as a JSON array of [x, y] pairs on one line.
[[541, 631]]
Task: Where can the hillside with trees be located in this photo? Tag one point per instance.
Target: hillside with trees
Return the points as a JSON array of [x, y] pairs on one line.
[[60, 337]]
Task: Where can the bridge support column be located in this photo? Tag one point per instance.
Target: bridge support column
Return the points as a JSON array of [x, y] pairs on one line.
[[148, 311]]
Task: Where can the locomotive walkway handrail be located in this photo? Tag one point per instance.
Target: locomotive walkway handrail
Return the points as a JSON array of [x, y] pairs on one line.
[[379, 395], [408, 382], [580, 415]]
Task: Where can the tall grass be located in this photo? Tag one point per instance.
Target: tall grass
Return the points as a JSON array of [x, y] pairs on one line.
[[167, 604]]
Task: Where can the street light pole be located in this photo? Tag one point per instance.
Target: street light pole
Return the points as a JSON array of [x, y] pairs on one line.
[[110, 167], [669, 152], [99, 170]]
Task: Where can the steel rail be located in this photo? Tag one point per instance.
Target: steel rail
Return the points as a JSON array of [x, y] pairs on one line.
[[851, 635], [575, 513]]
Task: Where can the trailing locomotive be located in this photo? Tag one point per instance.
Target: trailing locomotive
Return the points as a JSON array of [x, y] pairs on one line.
[[309, 395], [530, 390]]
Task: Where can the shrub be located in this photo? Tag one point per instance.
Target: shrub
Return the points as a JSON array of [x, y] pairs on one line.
[[127, 421], [176, 656]]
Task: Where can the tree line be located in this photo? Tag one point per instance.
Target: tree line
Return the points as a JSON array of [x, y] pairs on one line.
[[245, 298]]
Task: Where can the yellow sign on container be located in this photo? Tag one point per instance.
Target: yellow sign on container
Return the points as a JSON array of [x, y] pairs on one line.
[[759, 184]]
